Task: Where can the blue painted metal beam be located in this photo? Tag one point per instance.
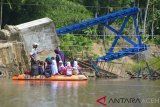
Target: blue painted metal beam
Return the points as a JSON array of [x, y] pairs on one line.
[[118, 34], [123, 53], [103, 20], [96, 21], [138, 47], [128, 40], [112, 29], [124, 37]]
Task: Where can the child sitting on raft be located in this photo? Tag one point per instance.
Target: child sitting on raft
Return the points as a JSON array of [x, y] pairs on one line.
[[48, 70], [54, 66], [69, 69], [27, 73], [61, 68], [76, 68]]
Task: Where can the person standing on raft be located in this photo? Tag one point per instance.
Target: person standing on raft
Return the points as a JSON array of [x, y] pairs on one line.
[[59, 56], [34, 51], [33, 56]]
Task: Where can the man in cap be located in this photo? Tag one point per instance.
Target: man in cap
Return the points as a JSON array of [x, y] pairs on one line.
[[33, 56], [34, 51]]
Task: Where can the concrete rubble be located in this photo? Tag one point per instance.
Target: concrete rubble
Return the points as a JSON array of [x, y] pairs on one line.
[[16, 43]]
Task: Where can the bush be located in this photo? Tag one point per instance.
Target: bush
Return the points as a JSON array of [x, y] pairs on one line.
[[153, 64], [71, 44]]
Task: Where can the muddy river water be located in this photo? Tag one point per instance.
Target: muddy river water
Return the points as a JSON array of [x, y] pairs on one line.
[[118, 92]]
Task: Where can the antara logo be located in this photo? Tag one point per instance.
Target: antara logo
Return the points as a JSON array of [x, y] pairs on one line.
[[102, 101]]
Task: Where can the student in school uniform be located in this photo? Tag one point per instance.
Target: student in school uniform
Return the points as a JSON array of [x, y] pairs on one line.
[[69, 69]]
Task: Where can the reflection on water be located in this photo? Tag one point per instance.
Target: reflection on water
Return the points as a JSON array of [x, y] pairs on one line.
[[74, 93], [53, 84]]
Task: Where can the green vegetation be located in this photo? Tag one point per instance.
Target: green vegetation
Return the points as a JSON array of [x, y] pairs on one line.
[[72, 45], [66, 12], [153, 64], [62, 12]]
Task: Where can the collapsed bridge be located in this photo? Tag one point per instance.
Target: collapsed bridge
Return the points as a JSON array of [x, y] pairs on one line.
[[125, 14]]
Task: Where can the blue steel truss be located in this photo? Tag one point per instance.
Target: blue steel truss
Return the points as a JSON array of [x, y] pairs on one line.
[[103, 20]]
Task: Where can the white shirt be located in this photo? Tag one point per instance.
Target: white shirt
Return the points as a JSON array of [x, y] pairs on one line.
[[34, 53], [54, 67]]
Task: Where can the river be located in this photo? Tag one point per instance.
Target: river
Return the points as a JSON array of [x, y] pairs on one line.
[[79, 94]]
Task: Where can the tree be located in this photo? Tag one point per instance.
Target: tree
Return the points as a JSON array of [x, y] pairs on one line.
[[145, 17], [154, 17], [66, 12], [72, 44], [11, 11], [62, 12]]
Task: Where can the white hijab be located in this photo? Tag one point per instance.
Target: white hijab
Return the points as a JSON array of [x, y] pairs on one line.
[[68, 64], [60, 62], [75, 63]]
